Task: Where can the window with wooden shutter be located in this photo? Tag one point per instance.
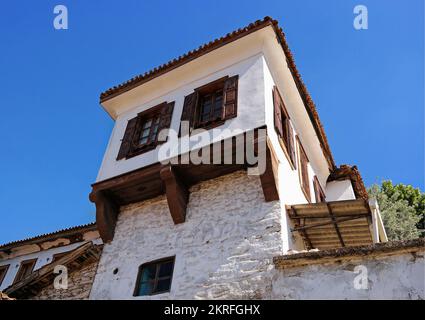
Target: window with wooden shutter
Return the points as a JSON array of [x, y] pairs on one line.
[[318, 191], [127, 139], [25, 269], [277, 114], [165, 122], [291, 144], [3, 271], [211, 105], [283, 127], [303, 172], [188, 113], [230, 98], [142, 132]]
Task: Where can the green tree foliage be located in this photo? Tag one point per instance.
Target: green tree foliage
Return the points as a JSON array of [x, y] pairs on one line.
[[402, 209]]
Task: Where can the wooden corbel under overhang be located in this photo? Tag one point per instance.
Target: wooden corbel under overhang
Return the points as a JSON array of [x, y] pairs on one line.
[[176, 192], [269, 177], [106, 214], [174, 181], [268, 180]]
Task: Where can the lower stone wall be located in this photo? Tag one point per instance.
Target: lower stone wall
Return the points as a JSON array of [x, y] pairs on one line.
[[79, 286], [387, 276], [224, 249], [230, 247]]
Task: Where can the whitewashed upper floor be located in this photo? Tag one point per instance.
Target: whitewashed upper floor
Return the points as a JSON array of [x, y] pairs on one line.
[[260, 64]]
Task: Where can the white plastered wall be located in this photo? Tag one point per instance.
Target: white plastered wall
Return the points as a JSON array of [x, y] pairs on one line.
[[242, 57], [339, 190], [289, 184]]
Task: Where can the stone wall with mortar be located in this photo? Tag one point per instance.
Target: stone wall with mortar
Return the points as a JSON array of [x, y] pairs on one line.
[[224, 249], [399, 276], [79, 286]]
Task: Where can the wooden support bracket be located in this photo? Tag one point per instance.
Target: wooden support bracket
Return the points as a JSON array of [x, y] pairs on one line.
[[176, 192], [106, 214], [268, 181]]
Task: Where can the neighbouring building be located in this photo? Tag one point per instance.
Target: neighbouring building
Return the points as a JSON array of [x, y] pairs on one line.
[[177, 218], [27, 267]]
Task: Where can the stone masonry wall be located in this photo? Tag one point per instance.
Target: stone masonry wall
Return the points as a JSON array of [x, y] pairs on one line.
[[224, 249], [79, 286], [392, 277]]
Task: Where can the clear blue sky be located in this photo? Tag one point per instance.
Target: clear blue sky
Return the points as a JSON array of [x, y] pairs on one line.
[[368, 86]]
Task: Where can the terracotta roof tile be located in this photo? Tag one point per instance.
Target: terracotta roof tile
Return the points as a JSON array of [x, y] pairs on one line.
[[47, 236]]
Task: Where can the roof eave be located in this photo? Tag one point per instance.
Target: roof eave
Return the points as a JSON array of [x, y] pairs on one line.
[[49, 236]]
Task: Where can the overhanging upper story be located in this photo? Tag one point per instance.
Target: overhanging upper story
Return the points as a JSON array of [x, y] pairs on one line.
[[259, 56], [240, 83]]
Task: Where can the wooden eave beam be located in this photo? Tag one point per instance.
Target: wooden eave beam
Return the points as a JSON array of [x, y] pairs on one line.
[[128, 177], [176, 192]]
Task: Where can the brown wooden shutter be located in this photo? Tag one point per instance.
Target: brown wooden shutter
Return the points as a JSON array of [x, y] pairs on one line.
[[291, 145], [127, 139], [166, 115], [318, 191], [189, 109], [305, 182], [277, 112], [230, 98]]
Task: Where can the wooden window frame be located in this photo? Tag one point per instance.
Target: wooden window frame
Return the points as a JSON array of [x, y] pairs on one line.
[[142, 117], [318, 191], [130, 143], [19, 275], [210, 88], [303, 170], [206, 89], [286, 140], [193, 103], [157, 264], [3, 272], [59, 255]]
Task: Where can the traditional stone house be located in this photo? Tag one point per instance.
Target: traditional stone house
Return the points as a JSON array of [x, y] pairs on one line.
[[27, 267], [184, 212]]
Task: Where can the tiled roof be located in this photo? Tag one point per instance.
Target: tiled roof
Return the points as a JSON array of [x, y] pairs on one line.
[[48, 236], [217, 43], [185, 58]]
